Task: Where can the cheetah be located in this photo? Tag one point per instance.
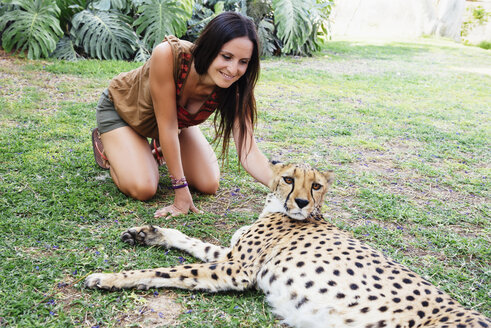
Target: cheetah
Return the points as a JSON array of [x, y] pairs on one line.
[[313, 274]]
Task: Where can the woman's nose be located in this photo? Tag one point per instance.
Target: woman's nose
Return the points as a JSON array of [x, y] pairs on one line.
[[232, 67]]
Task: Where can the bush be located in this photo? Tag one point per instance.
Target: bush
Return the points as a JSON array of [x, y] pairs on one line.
[[485, 45], [130, 29]]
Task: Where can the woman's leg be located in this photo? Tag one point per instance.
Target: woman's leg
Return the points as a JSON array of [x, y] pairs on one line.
[[132, 165], [199, 161]]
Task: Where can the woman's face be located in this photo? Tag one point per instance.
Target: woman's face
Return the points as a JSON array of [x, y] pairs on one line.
[[231, 62]]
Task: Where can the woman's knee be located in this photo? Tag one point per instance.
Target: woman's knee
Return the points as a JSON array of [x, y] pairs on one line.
[[140, 189], [208, 187]]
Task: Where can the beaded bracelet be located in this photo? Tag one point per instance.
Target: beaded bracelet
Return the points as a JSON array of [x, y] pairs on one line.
[[178, 183]]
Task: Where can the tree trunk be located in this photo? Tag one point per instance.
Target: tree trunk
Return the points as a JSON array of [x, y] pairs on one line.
[[442, 17]]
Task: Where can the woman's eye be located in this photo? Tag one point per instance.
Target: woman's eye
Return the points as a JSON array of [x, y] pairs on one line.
[[226, 57], [245, 62], [288, 180], [316, 186]]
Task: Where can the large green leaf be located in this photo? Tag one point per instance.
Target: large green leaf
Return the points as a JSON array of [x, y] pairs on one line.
[[69, 8], [292, 19], [159, 18], [104, 34], [265, 32], [31, 25], [65, 49]]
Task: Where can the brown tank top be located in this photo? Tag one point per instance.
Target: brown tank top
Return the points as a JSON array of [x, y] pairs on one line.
[[130, 93]]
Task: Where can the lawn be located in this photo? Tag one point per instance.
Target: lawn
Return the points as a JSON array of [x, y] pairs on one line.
[[405, 126]]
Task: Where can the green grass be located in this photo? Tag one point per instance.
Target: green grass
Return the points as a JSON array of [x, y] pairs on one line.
[[405, 127]]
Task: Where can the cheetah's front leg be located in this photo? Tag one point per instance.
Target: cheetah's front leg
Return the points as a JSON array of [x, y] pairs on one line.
[[210, 277], [171, 238]]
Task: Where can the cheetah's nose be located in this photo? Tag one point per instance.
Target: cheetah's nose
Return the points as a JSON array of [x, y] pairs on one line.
[[301, 202]]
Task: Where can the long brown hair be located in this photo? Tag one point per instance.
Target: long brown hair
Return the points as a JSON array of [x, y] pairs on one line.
[[237, 101]]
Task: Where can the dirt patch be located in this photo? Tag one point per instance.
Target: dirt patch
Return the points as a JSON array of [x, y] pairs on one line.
[[156, 311], [152, 310], [233, 200]]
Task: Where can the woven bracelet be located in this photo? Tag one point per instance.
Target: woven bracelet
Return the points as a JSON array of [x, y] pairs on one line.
[[185, 184]]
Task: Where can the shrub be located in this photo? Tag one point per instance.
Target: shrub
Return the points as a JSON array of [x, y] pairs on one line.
[[130, 29]]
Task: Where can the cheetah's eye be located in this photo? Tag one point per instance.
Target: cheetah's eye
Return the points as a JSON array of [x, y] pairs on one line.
[[288, 180], [316, 186]]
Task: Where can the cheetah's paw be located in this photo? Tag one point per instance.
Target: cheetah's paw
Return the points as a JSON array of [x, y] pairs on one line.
[[147, 235]]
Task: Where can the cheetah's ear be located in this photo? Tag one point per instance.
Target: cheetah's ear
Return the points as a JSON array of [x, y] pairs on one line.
[[329, 175], [276, 166]]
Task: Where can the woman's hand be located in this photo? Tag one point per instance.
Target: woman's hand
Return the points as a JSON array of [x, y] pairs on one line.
[[183, 203]]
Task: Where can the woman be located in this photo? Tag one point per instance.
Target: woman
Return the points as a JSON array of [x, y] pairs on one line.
[[165, 99]]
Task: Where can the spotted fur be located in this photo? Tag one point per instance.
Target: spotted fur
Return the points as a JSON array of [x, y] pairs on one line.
[[313, 274]]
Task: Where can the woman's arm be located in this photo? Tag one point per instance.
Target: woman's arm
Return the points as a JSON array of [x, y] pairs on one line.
[[252, 159], [163, 91]]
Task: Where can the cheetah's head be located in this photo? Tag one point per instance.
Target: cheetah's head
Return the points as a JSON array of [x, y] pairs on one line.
[[297, 190]]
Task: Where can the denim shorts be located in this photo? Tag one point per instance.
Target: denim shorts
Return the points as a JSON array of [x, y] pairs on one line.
[[107, 117]]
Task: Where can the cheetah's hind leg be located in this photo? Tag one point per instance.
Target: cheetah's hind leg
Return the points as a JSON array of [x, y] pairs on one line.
[[171, 238]]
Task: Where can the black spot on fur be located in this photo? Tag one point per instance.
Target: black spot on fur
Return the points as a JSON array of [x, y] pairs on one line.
[[162, 275], [302, 302]]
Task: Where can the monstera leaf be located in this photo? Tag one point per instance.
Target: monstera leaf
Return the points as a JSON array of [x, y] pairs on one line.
[[104, 34], [292, 19], [32, 25], [265, 32], [65, 49], [159, 18], [142, 54]]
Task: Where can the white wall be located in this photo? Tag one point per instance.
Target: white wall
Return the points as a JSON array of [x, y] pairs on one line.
[[397, 18]]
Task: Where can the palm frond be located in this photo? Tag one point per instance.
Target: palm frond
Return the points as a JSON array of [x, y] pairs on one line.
[[293, 23], [104, 34], [159, 18], [32, 26]]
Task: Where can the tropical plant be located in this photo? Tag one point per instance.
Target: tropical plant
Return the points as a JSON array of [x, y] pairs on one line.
[[269, 42], [292, 21], [32, 25], [202, 14], [104, 34], [159, 18], [66, 50], [130, 29]]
